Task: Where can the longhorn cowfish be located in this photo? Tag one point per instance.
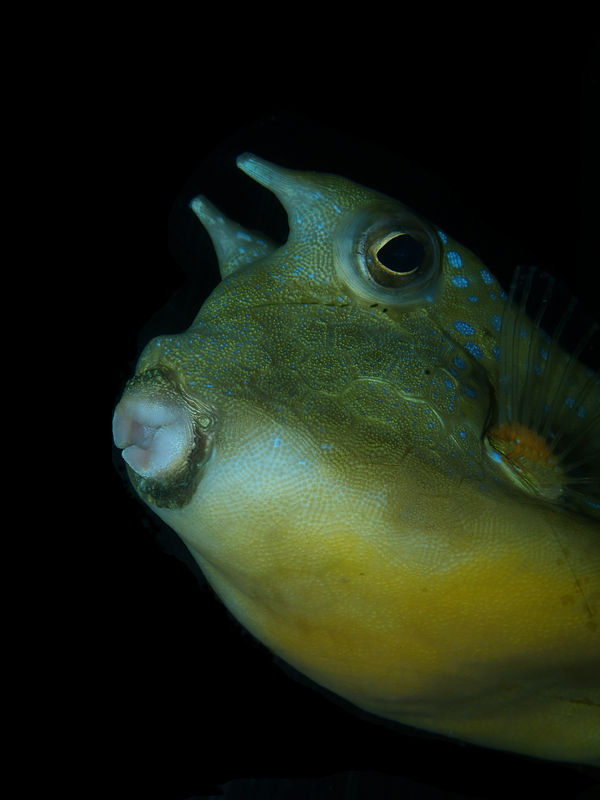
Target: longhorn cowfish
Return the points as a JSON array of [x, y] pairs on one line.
[[387, 467]]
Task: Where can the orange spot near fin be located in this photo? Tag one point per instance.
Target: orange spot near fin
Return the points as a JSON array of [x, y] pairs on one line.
[[528, 460]]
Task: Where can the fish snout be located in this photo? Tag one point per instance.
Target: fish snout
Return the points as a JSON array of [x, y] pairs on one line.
[[154, 435], [165, 437]]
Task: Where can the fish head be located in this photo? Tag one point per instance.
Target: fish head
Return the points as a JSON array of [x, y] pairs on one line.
[[335, 438]]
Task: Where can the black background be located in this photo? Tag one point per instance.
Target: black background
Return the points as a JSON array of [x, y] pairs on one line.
[[504, 157]]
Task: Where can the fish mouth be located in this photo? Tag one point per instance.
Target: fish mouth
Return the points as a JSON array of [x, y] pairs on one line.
[[165, 436]]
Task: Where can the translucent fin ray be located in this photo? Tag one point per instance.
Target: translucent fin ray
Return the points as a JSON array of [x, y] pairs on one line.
[[547, 432]]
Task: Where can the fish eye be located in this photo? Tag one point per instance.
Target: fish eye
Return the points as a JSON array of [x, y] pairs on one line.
[[396, 260], [384, 253]]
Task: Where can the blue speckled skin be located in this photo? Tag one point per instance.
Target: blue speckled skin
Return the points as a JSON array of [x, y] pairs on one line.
[[344, 503]]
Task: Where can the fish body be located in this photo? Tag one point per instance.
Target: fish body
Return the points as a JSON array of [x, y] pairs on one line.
[[386, 467]]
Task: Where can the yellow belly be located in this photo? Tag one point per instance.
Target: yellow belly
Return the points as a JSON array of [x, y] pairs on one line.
[[467, 613]]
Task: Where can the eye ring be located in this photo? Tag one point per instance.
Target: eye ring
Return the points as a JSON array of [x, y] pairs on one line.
[[384, 253], [403, 262]]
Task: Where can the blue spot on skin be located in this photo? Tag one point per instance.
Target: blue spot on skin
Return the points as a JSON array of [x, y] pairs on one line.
[[473, 299], [487, 277], [460, 362], [449, 383], [463, 434], [464, 327], [470, 392], [497, 321], [474, 349], [443, 236], [454, 259], [460, 281]]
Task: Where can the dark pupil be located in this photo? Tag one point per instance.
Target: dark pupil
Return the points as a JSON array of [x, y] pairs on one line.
[[401, 254]]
